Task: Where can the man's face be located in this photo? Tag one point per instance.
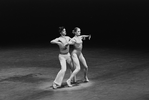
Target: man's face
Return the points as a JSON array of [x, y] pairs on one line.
[[63, 32]]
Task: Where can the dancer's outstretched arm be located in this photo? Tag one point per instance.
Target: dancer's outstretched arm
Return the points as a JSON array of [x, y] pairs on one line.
[[85, 36], [56, 41], [72, 41]]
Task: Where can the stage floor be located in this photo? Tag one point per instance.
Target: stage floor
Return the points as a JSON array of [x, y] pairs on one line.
[[114, 74]]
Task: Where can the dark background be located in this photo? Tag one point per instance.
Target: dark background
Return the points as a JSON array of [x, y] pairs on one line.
[[112, 23]]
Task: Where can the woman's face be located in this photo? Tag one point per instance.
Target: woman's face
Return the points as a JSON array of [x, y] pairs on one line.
[[78, 32], [63, 32]]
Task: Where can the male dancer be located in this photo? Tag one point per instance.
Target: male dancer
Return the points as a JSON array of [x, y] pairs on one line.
[[64, 56]]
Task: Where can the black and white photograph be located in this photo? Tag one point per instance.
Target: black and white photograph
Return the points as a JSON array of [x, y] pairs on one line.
[[74, 50]]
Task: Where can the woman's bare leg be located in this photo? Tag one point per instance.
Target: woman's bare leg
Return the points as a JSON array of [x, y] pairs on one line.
[[85, 69], [72, 68], [77, 68]]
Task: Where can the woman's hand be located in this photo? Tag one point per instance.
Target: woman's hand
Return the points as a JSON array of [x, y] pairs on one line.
[[85, 36], [89, 37]]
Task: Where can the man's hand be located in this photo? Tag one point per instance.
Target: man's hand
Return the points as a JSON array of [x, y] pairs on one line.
[[66, 46]]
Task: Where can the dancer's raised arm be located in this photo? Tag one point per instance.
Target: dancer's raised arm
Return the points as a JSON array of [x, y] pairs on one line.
[[71, 41], [56, 41], [85, 36]]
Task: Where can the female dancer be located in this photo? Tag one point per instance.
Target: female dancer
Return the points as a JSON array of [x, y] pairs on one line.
[[64, 56], [77, 54]]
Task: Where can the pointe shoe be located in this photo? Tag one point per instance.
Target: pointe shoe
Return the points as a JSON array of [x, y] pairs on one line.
[[68, 83], [55, 86], [86, 80]]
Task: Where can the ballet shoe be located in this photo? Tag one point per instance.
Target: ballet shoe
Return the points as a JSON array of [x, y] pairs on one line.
[[55, 86], [68, 83], [86, 80]]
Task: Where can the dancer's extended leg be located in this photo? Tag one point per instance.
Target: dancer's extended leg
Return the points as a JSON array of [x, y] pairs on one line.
[[77, 68], [82, 59], [72, 68]]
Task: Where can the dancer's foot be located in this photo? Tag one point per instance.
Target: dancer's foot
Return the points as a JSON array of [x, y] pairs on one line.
[[69, 83], [86, 79], [55, 86]]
